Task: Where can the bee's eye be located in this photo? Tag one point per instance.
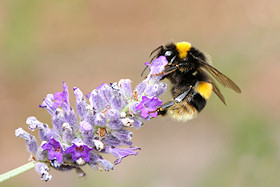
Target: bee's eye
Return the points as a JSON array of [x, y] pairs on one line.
[[168, 53]]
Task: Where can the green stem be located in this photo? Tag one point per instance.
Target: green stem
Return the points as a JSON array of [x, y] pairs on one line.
[[17, 171]]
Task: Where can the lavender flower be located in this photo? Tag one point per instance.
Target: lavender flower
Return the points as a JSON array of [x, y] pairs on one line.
[[43, 170], [148, 106], [101, 124], [79, 151], [120, 153], [54, 150]]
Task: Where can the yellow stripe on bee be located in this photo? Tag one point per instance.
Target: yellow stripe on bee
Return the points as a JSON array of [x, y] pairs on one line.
[[183, 48], [204, 89]]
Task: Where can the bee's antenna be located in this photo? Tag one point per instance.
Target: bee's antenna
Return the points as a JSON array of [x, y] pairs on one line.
[[144, 71], [160, 47]]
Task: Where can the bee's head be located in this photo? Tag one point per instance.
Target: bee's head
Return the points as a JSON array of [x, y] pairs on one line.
[[183, 48]]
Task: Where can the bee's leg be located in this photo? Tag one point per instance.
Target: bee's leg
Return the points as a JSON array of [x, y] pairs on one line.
[[167, 71], [183, 95], [163, 109], [170, 69], [172, 60]]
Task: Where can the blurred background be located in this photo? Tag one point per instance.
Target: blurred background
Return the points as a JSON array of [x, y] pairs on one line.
[[86, 43]]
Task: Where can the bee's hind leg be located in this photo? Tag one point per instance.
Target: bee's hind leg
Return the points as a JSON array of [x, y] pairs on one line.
[[163, 109]]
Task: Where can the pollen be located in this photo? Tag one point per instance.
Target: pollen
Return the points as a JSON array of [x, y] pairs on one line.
[[101, 132], [204, 89], [57, 149], [80, 149], [183, 48]]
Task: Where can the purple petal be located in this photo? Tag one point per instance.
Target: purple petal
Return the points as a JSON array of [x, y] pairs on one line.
[[111, 140], [122, 135], [137, 123], [106, 91], [156, 102], [71, 118], [79, 151], [97, 101], [106, 164], [68, 133], [78, 94], [144, 113], [117, 101], [115, 124], [155, 90], [85, 126], [148, 106], [125, 85], [141, 87], [48, 104], [45, 132], [58, 120], [121, 153], [71, 149], [158, 65], [87, 132], [33, 123], [115, 86], [133, 107], [153, 114], [62, 98], [145, 99], [54, 150], [81, 103], [100, 119], [113, 114], [43, 170], [30, 141], [139, 106]]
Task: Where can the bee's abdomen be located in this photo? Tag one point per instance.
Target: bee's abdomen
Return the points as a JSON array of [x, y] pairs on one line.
[[198, 102], [204, 89], [202, 93], [182, 111]]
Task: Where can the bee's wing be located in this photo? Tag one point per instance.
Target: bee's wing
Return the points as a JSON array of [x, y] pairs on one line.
[[217, 90], [224, 80]]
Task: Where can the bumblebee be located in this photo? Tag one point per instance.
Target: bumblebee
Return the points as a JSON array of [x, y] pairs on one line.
[[190, 75]]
